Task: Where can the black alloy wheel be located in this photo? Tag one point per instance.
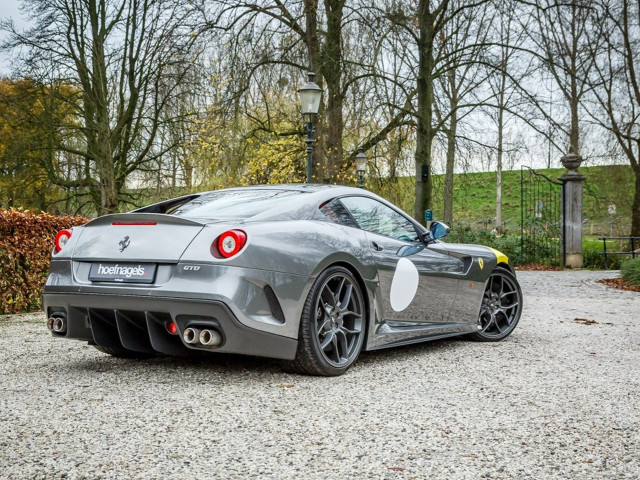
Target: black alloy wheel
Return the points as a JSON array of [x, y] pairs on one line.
[[332, 327], [501, 307]]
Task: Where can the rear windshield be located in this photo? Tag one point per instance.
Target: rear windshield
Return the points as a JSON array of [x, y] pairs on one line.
[[234, 203]]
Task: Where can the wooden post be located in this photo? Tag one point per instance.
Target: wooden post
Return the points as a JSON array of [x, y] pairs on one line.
[[572, 208]]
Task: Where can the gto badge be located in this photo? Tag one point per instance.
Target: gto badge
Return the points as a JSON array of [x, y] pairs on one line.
[[481, 263], [191, 268], [124, 243]]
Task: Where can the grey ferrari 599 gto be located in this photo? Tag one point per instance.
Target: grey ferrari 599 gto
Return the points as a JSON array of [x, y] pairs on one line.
[[311, 274]]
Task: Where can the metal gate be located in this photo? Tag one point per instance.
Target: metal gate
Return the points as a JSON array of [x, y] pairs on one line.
[[541, 219]]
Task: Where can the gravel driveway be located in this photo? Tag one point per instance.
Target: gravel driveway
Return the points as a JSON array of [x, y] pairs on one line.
[[558, 399]]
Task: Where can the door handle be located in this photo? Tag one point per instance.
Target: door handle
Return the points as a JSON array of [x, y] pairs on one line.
[[377, 247]]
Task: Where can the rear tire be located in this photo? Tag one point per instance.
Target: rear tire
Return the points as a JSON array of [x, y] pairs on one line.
[[501, 307], [332, 325], [122, 352]]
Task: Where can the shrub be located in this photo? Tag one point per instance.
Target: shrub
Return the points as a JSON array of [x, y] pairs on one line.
[[508, 244], [593, 257], [630, 271], [26, 241]]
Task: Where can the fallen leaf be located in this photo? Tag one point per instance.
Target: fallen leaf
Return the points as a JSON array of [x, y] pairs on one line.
[[620, 284], [584, 321], [539, 267]]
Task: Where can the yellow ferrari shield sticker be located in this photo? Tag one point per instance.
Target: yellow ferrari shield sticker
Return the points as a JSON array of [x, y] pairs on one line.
[[481, 263]]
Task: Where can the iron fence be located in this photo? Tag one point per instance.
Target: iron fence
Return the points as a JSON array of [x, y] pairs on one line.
[[541, 219]]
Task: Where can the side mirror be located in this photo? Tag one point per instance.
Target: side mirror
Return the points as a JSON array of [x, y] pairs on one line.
[[438, 230]]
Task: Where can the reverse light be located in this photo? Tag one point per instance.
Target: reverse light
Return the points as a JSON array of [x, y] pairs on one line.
[[229, 243], [62, 237]]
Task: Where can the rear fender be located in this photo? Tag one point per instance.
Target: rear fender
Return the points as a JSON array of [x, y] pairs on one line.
[[302, 248]]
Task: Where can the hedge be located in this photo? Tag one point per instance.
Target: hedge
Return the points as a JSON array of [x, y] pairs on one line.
[[26, 242]]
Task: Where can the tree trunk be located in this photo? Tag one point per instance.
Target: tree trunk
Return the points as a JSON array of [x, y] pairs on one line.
[[188, 173], [501, 106], [312, 42], [574, 133], [635, 207], [332, 73], [574, 101], [424, 114], [96, 113], [451, 147], [311, 30], [499, 176], [451, 159], [109, 193]]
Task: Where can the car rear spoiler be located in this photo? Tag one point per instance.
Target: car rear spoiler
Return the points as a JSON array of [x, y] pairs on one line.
[[141, 219]]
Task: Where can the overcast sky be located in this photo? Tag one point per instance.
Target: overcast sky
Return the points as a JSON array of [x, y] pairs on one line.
[[9, 9]]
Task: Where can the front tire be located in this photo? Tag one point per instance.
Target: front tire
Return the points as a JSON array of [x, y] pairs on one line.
[[501, 307], [332, 326]]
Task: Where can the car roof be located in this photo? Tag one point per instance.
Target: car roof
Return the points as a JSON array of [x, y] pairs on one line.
[[299, 187], [305, 206]]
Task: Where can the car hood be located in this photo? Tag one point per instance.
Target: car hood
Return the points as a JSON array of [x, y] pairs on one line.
[[477, 251]]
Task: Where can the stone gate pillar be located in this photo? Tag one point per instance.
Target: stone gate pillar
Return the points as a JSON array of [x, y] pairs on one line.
[[572, 210]]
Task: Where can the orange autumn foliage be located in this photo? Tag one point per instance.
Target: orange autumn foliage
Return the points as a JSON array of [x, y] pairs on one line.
[[26, 242]]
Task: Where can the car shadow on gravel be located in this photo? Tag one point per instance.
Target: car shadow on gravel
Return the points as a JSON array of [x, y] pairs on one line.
[[407, 352], [234, 365], [221, 363]]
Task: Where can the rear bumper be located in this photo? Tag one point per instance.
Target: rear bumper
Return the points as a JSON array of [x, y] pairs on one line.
[[246, 292], [139, 324]]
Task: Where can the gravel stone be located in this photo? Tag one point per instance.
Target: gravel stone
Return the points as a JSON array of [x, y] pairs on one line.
[[557, 399]]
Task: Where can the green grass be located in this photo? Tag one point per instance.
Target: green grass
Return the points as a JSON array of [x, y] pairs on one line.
[[475, 196], [474, 207]]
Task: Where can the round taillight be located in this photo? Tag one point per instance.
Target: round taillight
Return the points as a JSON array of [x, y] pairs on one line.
[[62, 237], [231, 242]]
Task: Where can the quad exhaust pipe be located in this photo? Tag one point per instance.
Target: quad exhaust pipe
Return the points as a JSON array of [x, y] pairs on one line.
[[57, 324], [210, 338], [206, 337], [191, 335]]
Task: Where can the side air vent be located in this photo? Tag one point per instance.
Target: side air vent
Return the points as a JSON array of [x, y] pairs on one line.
[[274, 304]]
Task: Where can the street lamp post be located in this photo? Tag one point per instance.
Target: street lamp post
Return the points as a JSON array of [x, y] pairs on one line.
[[309, 142], [310, 97], [361, 166]]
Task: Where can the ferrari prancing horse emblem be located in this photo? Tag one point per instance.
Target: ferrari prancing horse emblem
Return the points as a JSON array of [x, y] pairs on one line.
[[124, 243], [481, 263]]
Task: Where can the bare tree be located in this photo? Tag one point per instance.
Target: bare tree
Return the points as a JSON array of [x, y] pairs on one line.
[[126, 60], [422, 25], [562, 42], [292, 37], [615, 81], [510, 67], [462, 45]]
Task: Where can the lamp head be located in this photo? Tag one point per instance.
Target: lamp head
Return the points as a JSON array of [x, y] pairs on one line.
[[361, 161], [310, 96]]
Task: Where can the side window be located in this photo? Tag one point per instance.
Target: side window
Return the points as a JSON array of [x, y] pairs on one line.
[[376, 217], [334, 210]]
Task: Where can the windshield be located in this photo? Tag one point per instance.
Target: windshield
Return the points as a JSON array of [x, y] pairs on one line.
[[234, 203]]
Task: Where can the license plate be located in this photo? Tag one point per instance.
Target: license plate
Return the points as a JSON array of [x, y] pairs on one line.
[[123, 272]]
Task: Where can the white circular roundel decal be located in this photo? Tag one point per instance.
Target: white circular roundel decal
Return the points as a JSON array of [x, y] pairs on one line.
[[404, 284]]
